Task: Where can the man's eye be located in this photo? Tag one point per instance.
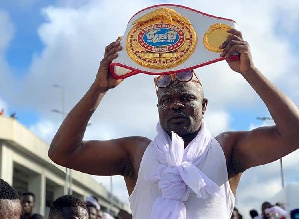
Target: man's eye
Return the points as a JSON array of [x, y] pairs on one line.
[[187, 98], [166, 100]]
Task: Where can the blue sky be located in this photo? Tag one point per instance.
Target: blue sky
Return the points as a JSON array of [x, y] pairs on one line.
[[61, 42]]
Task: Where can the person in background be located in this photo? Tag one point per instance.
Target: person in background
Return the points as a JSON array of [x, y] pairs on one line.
[[10, 206], [92, 210], [236, 214], [68, 206], [277, 211], [99, 214], [294, 213], [124, 214], [254, 214], [28, 204]]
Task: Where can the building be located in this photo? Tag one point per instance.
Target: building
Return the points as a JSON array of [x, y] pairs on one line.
[[24, 164]]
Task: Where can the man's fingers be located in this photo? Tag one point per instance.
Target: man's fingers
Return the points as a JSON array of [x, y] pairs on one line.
[[229, 39], [113, 50], [231, 46], [111, 45], [235, 32], [241, 49]]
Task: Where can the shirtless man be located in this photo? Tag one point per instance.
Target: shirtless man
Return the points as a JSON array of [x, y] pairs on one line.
[[181, 106]]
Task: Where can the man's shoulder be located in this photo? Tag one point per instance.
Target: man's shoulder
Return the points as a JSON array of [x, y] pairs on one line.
[[138, 141], [229, 138]]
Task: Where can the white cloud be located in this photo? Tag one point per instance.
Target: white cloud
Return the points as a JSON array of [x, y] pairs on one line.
[[43, 129]]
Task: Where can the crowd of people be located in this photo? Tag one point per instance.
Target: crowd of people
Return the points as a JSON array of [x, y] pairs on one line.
[[269, 211], [13, 206]]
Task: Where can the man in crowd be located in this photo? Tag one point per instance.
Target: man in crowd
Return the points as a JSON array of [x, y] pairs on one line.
[[68, 206], [183, 172], [10, 206], [28, 204]]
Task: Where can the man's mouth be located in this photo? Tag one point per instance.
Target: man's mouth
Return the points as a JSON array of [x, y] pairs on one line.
[[178, 117]]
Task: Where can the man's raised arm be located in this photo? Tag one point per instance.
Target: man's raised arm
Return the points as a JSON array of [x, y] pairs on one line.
[[94, 157], [266, 144]]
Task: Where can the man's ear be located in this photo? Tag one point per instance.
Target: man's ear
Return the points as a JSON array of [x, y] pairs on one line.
[[204, 105]]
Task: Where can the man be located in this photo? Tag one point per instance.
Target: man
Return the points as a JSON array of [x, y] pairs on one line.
[[236, 214], [28, 204], [10, 206], [92, 210], [68, 206], [99, 214], [164, 177], [254, 214]]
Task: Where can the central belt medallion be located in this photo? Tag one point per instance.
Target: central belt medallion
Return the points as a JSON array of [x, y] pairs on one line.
[[161, 39]]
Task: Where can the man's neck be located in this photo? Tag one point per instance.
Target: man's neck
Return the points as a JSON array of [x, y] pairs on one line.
[[188, 138]]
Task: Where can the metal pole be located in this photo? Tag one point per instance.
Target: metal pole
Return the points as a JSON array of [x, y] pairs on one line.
[[281, 167], [281, 173], [68, 180], [111, 194]]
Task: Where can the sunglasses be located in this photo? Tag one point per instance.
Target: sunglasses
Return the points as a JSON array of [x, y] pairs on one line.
[[163, 81]]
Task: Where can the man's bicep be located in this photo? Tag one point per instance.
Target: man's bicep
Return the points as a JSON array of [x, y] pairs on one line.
[[100, 157], [259, 146]]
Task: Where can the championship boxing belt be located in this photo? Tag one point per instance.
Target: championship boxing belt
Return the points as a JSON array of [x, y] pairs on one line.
[[167, 38]]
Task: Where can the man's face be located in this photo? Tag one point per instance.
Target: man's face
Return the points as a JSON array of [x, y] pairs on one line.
[[27, 202], [181, 107], [92, 212], [99, 214]]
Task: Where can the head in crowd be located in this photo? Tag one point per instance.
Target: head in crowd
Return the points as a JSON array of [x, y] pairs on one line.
[[27, 203], [100, 214], [253, 213], [68, 206], [92, 210], [236, 214], [264, 206], [10, 206]]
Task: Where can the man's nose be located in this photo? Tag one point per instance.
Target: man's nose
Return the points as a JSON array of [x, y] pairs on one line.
[[177, 105]]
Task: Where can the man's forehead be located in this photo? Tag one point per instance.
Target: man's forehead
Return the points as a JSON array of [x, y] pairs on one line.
[[180, 87]]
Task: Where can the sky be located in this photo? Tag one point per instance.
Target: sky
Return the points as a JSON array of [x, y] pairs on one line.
[[47, 43]]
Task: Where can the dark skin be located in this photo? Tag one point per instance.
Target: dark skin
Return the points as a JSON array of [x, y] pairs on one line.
[[243, 150], [27, 202], [92, 212]]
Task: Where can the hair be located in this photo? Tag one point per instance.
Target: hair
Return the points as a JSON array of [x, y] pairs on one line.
[[266, 205], [7, 192], [28, 193], [8, 196], [64, 201], [253, 213]]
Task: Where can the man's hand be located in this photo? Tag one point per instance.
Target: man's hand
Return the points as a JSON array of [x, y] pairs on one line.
[[233, 44], [104, 78]]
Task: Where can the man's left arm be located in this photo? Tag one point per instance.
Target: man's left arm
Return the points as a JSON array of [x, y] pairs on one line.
[[265, 144]]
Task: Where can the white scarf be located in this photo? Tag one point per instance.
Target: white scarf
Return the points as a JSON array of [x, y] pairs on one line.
[[177, 175]]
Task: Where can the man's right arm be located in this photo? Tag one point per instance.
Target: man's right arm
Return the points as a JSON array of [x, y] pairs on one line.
[[95, 157]]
